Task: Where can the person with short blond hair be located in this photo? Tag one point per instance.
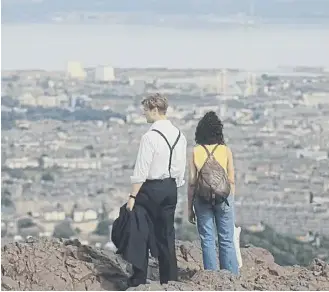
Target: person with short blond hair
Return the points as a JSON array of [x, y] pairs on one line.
[[158, 101], [158, 172]]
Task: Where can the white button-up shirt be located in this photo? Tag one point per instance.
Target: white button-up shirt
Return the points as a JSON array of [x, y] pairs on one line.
[[153, 154]]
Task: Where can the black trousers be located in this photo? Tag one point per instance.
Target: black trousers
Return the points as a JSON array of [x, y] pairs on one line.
[[160, 199]]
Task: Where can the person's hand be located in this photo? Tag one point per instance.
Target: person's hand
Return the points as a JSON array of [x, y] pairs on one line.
[[191, 216], [130, 204]]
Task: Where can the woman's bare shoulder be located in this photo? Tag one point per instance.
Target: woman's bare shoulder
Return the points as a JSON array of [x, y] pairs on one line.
[[228, 149], [196, 147]]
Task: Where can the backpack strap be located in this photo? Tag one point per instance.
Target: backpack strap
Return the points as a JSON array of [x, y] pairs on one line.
[[171, 148], [212, 152], [205, 148], [208, 156]]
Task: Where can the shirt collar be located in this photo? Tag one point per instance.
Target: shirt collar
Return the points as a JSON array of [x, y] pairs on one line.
[[159, 123]]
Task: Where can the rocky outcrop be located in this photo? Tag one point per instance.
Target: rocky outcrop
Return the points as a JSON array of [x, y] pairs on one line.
[[55, 265], [50, 264]]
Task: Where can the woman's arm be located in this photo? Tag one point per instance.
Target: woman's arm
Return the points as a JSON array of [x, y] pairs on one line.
[[191, 181], [230, 170]]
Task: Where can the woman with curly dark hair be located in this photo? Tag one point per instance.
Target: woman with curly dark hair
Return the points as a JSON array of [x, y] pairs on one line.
[[210, 143]]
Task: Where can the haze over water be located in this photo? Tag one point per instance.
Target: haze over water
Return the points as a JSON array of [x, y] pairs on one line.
[[50, 46]]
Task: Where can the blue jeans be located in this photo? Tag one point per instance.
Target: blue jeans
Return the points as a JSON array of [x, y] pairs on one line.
[[223, 216]]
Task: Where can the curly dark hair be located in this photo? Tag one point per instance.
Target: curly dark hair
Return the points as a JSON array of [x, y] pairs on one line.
[[209, 130]]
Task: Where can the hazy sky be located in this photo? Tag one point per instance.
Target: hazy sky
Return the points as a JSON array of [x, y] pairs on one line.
[[51, 46]]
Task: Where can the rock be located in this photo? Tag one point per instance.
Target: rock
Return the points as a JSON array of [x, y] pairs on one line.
[[319, 268], [50, 264], [9, 284]]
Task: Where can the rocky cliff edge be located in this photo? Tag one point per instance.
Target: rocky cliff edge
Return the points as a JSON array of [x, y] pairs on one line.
[[50, 264]]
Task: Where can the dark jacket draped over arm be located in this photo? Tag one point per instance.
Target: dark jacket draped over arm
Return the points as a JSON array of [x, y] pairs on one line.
[[133, 233]]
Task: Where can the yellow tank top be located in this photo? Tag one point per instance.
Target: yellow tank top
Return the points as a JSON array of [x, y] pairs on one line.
[[200, 155]]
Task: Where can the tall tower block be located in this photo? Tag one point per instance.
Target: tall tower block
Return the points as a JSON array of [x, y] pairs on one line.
[[222, 82]]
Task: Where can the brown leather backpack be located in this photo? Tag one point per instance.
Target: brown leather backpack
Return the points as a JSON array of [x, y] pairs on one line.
[[212, 184]]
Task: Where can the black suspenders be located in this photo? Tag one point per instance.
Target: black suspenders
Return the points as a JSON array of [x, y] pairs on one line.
[[171, 148]]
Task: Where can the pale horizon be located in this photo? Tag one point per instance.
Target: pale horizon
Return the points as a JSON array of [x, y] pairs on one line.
[[51, 46]]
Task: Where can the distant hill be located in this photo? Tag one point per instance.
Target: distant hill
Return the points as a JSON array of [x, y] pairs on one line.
[[293, 10], [286, 250]]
